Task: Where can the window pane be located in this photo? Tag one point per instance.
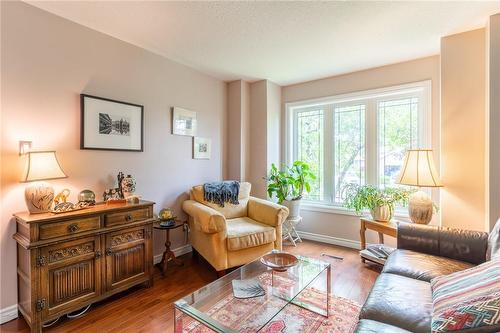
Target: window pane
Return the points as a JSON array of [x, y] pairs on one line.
[[310, 148], [398, 131], [349, 147]]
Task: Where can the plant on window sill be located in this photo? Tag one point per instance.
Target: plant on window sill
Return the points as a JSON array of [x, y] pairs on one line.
[[380, 203]]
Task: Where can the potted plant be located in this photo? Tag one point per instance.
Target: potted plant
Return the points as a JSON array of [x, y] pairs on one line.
[[289, 185], [379, 202]]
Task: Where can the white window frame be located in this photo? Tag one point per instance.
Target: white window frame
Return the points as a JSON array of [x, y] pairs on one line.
[[372, 97]]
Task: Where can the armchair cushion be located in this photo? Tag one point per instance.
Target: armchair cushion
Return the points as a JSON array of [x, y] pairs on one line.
[[229, 210], [243, 232], [206, 219]]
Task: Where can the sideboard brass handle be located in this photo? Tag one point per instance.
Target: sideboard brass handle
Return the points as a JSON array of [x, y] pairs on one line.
[[128, 217], [73, 227]]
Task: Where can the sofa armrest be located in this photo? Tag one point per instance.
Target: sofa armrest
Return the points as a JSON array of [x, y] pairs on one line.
[[208, 219], [266, 212], [463, 245], [418, 237]]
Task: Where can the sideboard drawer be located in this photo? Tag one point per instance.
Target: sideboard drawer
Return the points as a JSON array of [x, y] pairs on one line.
[[70, 227], [127, 217]]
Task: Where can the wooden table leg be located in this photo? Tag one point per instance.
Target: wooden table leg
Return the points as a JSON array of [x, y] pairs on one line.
[[362, 238], [381, 238], [168, 255]]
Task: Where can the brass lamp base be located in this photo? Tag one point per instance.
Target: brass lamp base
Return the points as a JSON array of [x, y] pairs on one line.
[[420, 208], [39, 197]]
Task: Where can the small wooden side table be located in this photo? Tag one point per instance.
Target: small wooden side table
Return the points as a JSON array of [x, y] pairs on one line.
[[168, 254], [383, 228]]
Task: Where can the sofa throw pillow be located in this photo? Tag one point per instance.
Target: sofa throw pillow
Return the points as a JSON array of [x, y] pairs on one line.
[[467, 299]]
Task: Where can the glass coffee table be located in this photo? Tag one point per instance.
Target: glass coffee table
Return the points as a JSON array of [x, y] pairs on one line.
[[214, 307]]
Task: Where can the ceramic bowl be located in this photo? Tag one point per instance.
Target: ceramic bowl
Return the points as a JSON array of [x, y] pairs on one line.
[[279, 261]]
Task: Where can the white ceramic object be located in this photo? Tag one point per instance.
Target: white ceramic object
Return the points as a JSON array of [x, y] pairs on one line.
[[39, 197], [293, 208], [382, 213], [420, 208]]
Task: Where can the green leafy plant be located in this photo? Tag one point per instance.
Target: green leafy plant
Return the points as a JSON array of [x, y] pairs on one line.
[[290, 183], [360, 197]]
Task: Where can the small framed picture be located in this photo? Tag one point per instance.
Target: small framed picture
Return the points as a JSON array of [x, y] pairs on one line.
[[108, 124], [202, 148], [183, 122]]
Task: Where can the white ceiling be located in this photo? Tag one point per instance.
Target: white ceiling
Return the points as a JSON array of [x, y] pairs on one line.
[[285, 42]]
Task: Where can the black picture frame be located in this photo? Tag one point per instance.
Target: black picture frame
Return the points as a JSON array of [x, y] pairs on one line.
[[83, 127]]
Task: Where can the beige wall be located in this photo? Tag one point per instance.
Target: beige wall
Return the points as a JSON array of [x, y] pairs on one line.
[[238, 139], [493, 119], [46, 63], [258, 137], [341, 228], [463, 79], [273, 124], [234, 131]]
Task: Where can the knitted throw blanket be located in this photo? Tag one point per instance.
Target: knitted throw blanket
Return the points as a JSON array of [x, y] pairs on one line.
[[222, 192]]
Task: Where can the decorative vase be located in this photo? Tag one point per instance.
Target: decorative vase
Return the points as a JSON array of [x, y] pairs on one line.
[[382, 213], [39, 197], [293, 208], [420, 208], [128, 186]]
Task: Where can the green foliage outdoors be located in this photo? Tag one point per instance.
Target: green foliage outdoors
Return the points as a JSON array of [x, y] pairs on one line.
[[291, 182], [369, 197]]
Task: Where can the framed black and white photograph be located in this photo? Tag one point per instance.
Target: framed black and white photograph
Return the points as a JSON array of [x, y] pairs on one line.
[[111, 125], [183, 122], [202, 148]]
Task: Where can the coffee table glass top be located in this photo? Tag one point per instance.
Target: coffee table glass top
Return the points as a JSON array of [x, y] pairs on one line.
[[251, 315]]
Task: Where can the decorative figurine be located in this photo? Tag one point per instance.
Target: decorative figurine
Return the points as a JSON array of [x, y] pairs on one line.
[[167, 217], [128, 186], [87, 196], [120, 177], [62, 197]]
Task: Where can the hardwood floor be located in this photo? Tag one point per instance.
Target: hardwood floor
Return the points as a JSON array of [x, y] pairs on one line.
[[151, 309]]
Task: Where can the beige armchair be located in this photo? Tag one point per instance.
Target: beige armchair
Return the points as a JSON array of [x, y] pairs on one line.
[[233, 235]]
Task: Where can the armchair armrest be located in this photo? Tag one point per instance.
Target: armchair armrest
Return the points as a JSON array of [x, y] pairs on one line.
[[464, 245], [208, 219], [266, 212]]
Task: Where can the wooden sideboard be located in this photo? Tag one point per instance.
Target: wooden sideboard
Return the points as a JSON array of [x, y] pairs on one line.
[[70, 260]]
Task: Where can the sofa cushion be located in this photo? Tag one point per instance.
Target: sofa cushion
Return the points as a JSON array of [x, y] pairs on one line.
[[468, 299], [400, 301], [421, 266], [372, 326], [230, 211], [243, 232]]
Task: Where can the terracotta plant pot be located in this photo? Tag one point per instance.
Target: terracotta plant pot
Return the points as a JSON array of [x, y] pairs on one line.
[[382, 213]]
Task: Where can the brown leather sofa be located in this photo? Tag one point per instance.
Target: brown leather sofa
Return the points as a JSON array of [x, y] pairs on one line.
[[401, 300]]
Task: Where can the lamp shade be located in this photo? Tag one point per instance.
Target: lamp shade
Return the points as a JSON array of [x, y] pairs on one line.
[[419, 169], [42, 165]]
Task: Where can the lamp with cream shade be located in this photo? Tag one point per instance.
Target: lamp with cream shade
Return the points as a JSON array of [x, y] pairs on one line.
[[40, 166], [419, 170]]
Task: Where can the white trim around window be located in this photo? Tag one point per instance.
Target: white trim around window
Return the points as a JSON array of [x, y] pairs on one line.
[[370, 98]]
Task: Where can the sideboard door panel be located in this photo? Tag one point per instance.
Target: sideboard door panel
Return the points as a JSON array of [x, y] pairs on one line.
[[127, 257], [70, 274]]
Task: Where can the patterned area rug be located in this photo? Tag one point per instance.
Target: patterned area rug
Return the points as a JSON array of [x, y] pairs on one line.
[[231, 311]]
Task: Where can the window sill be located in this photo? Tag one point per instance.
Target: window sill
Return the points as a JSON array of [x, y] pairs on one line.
[[339, 210]]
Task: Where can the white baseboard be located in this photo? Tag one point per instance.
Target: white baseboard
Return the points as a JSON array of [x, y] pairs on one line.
[[178, 252], [8, 313], [330, 240]]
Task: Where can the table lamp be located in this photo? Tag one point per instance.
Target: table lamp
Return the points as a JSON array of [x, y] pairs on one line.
[[419, 170], [40, 165]]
